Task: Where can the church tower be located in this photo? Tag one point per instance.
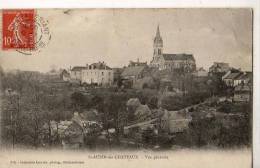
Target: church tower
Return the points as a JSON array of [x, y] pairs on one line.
[[157, 45]]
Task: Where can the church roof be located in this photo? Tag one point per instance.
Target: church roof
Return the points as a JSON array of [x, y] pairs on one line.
[[171, 57], [133, 71]]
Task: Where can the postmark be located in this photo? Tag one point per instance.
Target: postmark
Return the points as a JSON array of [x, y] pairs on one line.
[[30, 34]]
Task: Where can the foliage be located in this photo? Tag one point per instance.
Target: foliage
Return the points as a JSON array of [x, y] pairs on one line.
[[215, 132], [36, 104]]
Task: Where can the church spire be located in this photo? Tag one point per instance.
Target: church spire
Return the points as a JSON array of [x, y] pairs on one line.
[[158, 38], [158, 44], [158, 31]]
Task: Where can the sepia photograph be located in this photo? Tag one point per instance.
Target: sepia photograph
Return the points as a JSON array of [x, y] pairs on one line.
[[128, 80]]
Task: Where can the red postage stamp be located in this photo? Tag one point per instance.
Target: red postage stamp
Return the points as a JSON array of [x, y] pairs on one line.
[[18, 29]]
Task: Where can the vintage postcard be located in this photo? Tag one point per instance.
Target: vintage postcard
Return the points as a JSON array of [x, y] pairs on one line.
[[126, 87]]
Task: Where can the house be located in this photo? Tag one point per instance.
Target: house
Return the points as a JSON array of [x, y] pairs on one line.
[[244, 77], [76, 73], [171, 62], [242, 93], [219, 67], [200, 72], [117, 74], [230, 77], [80, 128], [132, 63], [145, 82], [235, 77], [134, 73], [65, 75], [97, 73], [75, 132]]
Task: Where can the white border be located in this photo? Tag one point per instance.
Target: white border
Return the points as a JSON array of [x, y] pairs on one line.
[[125, 3], [255, 4]]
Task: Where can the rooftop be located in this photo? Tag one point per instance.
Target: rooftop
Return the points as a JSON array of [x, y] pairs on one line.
[[244, 76], [170, 57], [133, 71], [98, 65], [233, 75], [78, 68]]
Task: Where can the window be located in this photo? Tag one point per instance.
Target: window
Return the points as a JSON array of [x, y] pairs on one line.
[[102, 74], [159, 51]]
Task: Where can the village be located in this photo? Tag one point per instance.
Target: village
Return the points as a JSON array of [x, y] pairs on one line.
[[167, 103]]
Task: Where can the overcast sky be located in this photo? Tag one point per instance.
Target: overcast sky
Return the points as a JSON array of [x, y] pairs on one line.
[[117, 36]]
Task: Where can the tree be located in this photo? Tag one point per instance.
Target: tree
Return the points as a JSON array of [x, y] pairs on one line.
[[78, 101]]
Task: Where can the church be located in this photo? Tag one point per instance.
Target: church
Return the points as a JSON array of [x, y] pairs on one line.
[[164, 61]]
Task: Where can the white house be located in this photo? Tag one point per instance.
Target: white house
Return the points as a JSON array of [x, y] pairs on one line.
[[76, 73], [97, 73]]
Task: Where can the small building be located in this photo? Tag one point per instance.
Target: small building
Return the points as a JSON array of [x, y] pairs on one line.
[[229, 79], [243, 78], [76, 73], [134, 73], [200, 72], [97, 73], [65, 75], [79, 130], [133, 63], [117, 74], [242, 93], [219, 67]]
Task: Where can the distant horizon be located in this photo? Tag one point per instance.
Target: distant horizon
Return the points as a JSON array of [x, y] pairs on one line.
[[118, 36]]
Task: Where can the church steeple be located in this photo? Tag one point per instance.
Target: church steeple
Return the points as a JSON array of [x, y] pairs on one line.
[[157, 44], [158, 32]]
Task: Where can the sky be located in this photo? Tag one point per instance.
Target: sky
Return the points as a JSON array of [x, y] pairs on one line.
[[116, 36]]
